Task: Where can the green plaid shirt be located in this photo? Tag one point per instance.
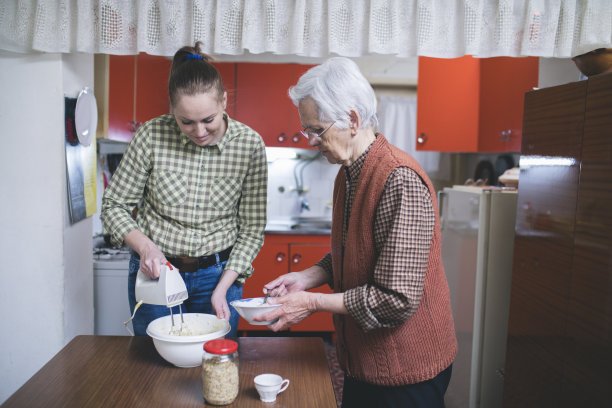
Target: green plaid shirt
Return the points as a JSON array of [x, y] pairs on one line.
[[194, 200]]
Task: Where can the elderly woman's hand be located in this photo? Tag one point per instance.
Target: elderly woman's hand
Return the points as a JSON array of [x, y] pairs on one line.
[[295, 308], [289, 283]]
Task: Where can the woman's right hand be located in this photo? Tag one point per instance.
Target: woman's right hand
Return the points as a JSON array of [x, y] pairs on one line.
[[289, 283], [151, 260], [296, 281]]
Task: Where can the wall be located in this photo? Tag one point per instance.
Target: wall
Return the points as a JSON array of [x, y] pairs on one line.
[[315, 176], [77, 72], [39, 306]]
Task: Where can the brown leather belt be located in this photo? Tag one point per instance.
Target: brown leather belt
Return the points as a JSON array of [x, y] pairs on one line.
[[192, 264]]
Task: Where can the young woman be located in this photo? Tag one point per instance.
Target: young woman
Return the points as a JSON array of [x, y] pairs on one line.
[[200, 180]]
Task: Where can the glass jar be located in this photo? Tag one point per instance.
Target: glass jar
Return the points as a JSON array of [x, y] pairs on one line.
[[220, 372]]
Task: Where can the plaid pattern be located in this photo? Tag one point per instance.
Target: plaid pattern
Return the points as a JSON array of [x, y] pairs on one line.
[[194, 200], [403, 230]]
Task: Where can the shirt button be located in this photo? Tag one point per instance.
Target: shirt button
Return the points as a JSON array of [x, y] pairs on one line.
[[200, 185], [197, 205]]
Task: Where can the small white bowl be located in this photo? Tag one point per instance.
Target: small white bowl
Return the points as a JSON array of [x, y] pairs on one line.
[[186, 350], [249, 308]]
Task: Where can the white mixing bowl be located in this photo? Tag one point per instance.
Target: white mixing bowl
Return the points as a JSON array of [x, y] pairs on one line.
[[249, 308], [186, 350]]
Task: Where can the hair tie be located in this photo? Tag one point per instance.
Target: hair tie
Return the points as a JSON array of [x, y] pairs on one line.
[[194, 56]]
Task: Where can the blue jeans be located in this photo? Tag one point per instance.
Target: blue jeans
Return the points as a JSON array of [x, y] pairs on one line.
[[200, 286]]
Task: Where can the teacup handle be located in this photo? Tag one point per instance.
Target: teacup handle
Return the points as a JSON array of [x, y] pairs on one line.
[[284, 385]]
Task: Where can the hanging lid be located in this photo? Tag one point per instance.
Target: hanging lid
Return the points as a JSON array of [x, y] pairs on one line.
[[220, 346]]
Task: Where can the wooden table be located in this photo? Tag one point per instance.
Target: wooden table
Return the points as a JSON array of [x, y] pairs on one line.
[[114, 371]]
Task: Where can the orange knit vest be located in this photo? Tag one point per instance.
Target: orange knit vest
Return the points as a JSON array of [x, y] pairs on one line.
[[425, 344]]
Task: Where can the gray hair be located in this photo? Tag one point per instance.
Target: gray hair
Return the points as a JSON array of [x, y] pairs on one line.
[[337, 86]]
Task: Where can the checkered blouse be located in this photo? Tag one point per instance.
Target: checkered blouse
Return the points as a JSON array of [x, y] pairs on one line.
[[403, 230], [194, 200]]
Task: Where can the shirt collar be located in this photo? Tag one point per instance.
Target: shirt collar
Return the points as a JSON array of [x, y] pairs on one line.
[[353, 171]]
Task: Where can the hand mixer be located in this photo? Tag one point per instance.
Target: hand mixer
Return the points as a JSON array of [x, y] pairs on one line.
[[168, 290]]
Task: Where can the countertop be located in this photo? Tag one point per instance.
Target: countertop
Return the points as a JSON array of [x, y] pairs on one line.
[[299, 226], [124, 371], [298, 231]]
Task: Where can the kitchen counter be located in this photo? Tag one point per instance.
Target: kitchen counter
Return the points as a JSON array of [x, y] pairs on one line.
[[297, 231], [113, 371], [299, 226]]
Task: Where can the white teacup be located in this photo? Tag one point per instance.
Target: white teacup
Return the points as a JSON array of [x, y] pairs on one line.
[[269, 386]]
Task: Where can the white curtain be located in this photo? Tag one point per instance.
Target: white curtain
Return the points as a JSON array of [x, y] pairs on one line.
[[312, 28], [397, 122]]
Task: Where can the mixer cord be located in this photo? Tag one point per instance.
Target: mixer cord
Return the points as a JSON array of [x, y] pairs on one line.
[[130, 319]]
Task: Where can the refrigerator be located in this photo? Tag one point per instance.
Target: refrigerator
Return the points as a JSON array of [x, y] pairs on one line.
[[477, 225]]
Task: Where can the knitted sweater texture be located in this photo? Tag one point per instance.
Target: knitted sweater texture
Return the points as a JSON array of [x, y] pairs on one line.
[[425, 344]]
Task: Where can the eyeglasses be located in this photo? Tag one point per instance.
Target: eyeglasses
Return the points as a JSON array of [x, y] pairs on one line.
[[309, 134]]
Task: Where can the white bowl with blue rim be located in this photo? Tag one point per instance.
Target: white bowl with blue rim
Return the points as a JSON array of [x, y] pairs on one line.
[[251, 307]]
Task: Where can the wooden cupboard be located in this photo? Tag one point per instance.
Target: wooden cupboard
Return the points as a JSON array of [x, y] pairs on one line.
[[264, 105], [559, 349], [472, 104], [288, 253]]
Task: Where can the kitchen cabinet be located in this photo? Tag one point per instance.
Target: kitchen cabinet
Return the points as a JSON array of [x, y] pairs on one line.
[[138, 91], [559, 347], [263, 102], [472, 104], [282, 254]]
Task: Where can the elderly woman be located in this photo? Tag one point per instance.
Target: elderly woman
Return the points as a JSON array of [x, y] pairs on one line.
[[395, 333]]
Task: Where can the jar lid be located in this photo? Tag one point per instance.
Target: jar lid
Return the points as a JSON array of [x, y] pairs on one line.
[[220, 346]]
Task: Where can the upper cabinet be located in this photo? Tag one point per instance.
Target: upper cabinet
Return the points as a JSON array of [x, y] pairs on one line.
[[137, 92], [262, 102], [473, 104], [137, 88]]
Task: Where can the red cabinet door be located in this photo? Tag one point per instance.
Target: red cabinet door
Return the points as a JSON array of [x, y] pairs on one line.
[[473, 104], [152, 100], [302, 256], [270, 263], [228, 76], [262, 102], [121, 72]]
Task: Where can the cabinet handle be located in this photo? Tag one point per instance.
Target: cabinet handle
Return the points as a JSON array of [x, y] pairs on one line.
[[296, 138], [505, 135], [282, 137], [296, 258], [280, 257], [134, 125], [422, 138]]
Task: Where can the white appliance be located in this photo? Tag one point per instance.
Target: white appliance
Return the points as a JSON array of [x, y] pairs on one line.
[[111, 306], [477, 250]]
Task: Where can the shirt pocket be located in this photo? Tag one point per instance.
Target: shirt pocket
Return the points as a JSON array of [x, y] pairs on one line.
[[170, 188], [225, 192]]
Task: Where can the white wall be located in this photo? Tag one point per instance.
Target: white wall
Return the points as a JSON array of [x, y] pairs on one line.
[[557, 71], [46, 263], [78, 71]]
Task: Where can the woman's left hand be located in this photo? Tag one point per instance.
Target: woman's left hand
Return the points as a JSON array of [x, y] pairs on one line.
[[219, 303]]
